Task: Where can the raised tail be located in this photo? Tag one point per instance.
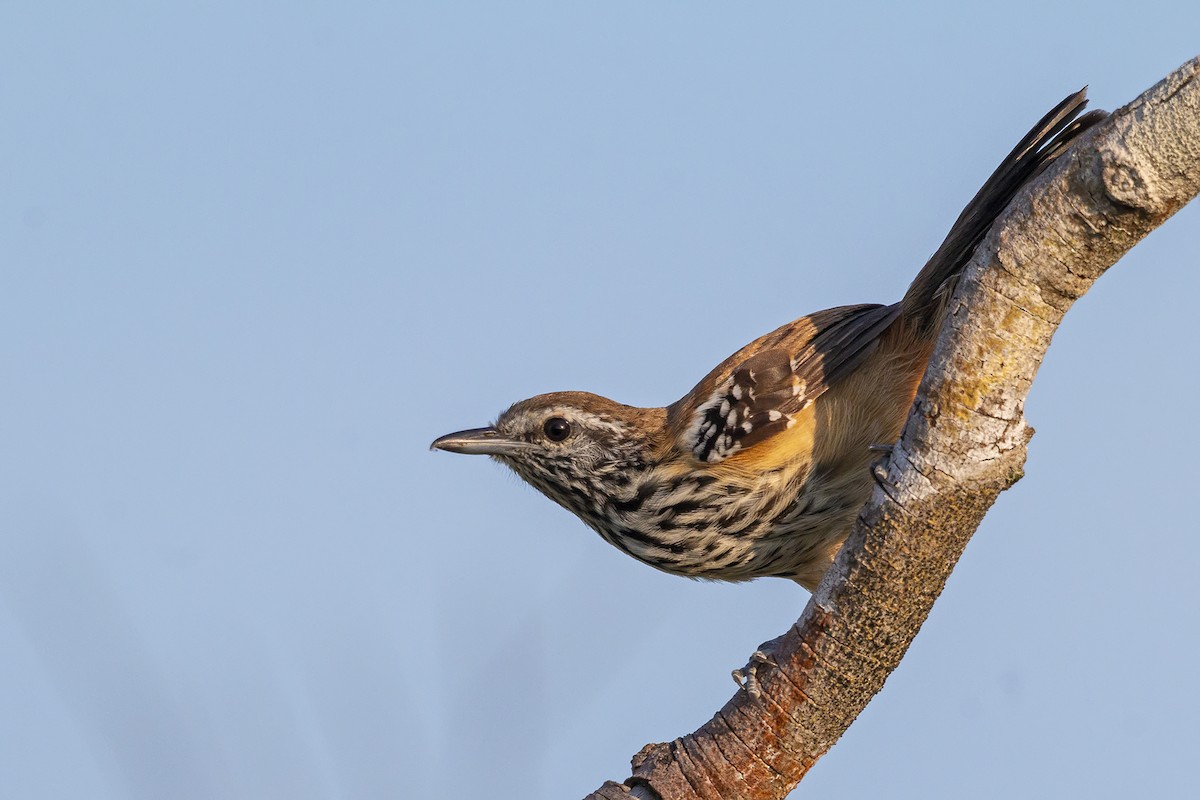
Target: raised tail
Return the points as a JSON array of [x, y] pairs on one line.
[[925, 301]]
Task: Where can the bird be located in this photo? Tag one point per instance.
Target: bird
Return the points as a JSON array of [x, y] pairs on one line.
[[761, 468]]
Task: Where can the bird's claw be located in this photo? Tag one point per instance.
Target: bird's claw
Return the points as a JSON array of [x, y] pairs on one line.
[[747, 676], [880, 474]]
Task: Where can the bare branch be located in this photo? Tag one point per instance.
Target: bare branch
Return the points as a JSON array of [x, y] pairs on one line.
[[963, 444]]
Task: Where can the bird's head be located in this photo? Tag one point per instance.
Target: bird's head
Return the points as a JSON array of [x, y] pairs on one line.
[[579, 449]]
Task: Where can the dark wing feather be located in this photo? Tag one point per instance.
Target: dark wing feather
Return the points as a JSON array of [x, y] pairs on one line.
[[750, 398]]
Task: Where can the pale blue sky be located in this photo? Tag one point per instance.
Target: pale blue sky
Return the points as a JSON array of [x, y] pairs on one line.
[[255, 256]]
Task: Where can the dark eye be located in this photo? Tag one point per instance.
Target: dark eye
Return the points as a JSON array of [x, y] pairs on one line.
[[557, 429]]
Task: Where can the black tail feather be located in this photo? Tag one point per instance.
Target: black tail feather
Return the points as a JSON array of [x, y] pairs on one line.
[[1054, 133]]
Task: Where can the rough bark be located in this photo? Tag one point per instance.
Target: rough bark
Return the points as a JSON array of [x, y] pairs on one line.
[[963, 444]]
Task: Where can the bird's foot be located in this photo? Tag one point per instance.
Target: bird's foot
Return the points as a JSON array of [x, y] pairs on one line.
[[879, 468], [879, 473], [747, 676]]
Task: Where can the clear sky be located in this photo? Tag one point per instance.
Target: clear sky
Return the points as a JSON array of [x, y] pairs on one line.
[[255, 256]]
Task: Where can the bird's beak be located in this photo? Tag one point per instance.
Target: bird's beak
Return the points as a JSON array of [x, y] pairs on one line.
[[480, 441]]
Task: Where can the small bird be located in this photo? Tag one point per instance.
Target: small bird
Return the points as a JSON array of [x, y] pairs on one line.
[[762, 467]]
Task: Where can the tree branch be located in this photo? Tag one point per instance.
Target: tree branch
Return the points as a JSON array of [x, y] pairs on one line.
[[963, 444]]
